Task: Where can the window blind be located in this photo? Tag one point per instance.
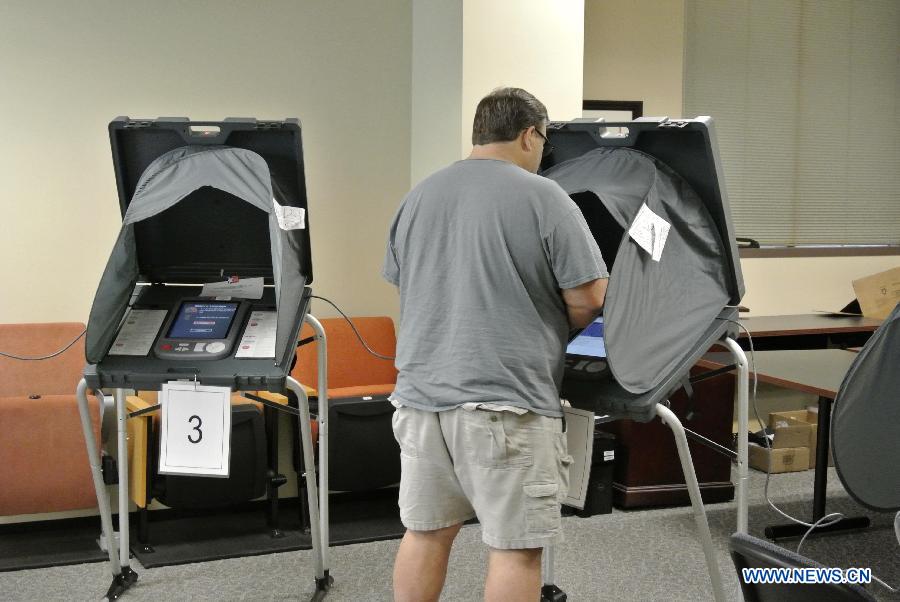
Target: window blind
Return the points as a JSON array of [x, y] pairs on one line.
[[804, 94]]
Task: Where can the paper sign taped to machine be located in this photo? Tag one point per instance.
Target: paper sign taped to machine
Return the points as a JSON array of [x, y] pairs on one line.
[[246, 288], [290, 218], [195, 437], [650, 232]]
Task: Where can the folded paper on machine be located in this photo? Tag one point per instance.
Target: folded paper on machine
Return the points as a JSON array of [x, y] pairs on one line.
[[879, 293]]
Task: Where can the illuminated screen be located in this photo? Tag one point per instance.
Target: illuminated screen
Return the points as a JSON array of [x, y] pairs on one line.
[[589, 341], [203, 320]]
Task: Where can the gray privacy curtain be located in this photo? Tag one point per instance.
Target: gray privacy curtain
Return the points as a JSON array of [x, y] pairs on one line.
[[865, 423], [655, 312], [169, 180]]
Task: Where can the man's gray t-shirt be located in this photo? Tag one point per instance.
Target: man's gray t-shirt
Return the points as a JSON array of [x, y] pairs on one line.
[[480, 251]]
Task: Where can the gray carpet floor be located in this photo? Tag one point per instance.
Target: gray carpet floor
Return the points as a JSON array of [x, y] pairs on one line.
[[623, 556]]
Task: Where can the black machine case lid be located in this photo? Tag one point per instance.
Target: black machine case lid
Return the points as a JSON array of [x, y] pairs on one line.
[[658, 313], [202, 201], [177, 247]]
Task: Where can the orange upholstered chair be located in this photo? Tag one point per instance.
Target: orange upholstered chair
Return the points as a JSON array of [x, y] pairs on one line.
[[43, 459], [352, 371]]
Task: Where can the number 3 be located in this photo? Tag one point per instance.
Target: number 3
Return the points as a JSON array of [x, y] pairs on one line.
[[196, 428]]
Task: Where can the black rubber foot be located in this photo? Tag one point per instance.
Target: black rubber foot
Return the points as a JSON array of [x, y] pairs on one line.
[[778, 532], [121, 583], [322, 587], [324, 584], [551, 593], [117, 588], [129, 575]]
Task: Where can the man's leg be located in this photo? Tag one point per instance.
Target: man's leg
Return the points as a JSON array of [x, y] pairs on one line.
[[513, 575], [421, 564]]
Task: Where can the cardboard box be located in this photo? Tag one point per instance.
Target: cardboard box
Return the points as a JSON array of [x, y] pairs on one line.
[[878, 293], [789, 430], [811, 419], [785, 459]]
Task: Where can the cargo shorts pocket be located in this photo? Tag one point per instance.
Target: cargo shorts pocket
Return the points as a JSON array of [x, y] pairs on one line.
[[542, 512], [404, 432], [494, 441]]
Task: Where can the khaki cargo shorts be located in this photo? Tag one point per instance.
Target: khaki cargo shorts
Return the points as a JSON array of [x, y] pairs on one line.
[[510, 471]]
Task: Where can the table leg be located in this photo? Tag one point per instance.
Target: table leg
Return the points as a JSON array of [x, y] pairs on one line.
[[822, 441], [823, 436]]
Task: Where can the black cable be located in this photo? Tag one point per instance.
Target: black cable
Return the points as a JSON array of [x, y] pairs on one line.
[[353, 326], [44, 357]]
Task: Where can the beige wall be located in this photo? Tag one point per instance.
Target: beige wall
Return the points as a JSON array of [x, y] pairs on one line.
[[797, 285], [533, 44], [463, 49], [437, 75], [633, 50], [68, 68]]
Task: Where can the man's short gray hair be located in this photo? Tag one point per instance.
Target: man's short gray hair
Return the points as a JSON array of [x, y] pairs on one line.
[[504, 113]]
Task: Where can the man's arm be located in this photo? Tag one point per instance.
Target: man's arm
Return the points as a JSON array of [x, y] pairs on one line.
[[584, 302]]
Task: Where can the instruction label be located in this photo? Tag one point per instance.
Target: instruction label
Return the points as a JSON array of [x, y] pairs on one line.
[[259, 336], [139, 330], [650, 231]]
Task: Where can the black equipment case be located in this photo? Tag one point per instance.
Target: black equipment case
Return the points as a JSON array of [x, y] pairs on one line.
[[689, 148], [209, 236]]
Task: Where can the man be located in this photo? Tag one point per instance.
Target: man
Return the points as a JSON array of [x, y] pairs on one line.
[[494, 264]]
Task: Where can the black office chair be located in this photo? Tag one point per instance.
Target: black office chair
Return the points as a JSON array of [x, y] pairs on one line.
[[247, 475], [751, 552], [362, 452]]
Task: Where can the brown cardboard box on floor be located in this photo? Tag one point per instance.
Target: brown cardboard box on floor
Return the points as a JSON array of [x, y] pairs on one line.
[[878, 293], [785, 459], [808, 417], [789, 431]]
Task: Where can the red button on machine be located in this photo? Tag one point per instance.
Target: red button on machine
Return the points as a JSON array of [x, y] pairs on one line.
[[166, 347]]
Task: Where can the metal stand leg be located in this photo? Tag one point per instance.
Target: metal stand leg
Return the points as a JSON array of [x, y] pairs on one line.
[[743, 388], [323, 581], [690, 477], [549, 591], [122, 457], [322, 390], [122, 579]]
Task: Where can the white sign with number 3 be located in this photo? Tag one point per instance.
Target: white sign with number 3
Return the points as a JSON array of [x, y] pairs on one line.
[[195, 438]]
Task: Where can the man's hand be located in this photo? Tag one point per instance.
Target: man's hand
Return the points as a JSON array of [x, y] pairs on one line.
[[584, 302]]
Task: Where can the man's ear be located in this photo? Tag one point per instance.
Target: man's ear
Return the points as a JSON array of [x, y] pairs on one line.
[[527, 139]]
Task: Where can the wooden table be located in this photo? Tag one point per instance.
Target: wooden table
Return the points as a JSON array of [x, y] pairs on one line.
[[806, 324], [647, 472], [806, 331], [817, 371]]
